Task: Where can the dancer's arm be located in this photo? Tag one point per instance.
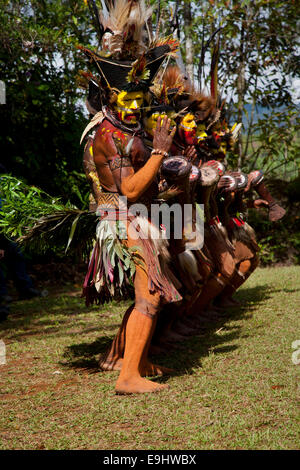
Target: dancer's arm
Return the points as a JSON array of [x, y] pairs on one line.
[[135, 184], [130, 183]]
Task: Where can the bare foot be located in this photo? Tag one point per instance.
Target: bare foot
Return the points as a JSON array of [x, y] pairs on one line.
[[199, 319], [234, 301], [149, 370], [138, 385], [190, 322], [228, 302], [218, 306], [110, 364], [172, 336], [211, 314], [182, 328]]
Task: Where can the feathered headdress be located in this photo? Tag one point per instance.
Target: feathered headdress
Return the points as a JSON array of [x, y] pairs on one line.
[[166, 88], [158, 99], [176, 82], [124, 26], [175, 90], [139, 72], [125, 54], [214, 70]]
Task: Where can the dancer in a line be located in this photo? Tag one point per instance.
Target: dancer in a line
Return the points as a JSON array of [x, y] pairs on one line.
[[125, 167]]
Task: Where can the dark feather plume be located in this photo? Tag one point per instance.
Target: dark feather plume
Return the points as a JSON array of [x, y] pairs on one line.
[[204, 48], [95, 18]]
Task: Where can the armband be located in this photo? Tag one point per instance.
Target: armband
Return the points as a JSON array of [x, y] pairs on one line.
[[159, 152]]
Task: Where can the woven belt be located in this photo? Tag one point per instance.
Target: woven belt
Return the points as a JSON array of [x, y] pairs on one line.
[[109, 200], [115, 201]]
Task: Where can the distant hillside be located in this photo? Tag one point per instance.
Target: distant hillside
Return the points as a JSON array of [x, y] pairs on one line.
[[258, 113]]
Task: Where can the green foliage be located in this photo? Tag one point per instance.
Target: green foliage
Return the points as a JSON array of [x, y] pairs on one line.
[[280, 241], [21, 202], [43, 118], [275, 146], [259, 59], [42, 222]]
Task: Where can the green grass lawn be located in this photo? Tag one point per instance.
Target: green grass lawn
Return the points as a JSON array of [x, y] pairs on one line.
[[236, 386]]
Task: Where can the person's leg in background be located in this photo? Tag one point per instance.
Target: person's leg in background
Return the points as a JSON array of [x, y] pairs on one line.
[[17, 267], [4, 297]]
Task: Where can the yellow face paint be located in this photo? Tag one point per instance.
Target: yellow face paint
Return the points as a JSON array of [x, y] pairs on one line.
[[187, 129], [201, 132], [128, 106], [188, 122], [150, 122], [223, 148]]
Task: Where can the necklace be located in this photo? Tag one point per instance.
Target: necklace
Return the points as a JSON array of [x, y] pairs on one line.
[[115, 122]]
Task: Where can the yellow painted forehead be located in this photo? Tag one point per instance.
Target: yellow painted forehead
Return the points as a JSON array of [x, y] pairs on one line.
[[157, 114], [130, 95], [188, 117], [163, 114]]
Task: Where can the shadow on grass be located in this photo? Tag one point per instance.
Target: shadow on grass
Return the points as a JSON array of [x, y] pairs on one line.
[[183, 356], [188, 356], [286, 290], [55, 315], [83, 355]]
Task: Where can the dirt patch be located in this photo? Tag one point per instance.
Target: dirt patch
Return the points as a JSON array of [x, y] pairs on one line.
[[41, 387]]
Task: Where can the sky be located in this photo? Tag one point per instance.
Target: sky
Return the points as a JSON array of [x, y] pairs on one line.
[[296, 90]]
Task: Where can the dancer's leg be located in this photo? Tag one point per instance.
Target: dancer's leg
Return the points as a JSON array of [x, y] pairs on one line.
[[113, 358], [244, 270], [138, 333]]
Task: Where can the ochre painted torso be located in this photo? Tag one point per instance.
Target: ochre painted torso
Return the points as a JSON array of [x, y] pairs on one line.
[[114, 148]]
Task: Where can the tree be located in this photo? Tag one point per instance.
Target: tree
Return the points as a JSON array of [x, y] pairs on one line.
[[43, 118], [259, 57]]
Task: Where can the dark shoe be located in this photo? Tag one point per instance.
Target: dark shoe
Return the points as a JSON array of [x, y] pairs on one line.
[[29, 294]]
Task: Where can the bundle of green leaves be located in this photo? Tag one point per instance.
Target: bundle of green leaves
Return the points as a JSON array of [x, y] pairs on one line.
[[42, 222]]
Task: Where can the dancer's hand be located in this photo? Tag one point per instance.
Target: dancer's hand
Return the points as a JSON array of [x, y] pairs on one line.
[[251, 177], [1, 254], [163, 138], [190, 153], [260, 203], [224, 183]]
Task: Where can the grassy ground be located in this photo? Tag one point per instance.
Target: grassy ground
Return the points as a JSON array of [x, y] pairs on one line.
[[236, 386]]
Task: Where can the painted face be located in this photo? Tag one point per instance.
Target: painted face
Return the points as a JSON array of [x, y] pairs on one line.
[[221, 151], [187, 129], [128, 106], [201, 133], [150, 122], [223, 148]]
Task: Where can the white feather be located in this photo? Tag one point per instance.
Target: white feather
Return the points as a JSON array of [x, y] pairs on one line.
[[97, 119], [189, 264]]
